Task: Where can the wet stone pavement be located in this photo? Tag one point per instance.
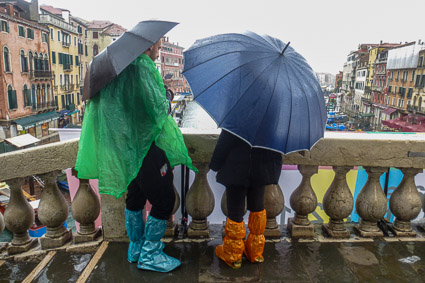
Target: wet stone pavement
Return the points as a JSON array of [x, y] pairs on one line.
[[285, 261]]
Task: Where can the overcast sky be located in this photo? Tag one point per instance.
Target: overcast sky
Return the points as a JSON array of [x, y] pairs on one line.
[[323, 31]]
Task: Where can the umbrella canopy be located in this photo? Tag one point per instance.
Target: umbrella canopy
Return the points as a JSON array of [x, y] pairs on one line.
[[119, 54], [258, 88]]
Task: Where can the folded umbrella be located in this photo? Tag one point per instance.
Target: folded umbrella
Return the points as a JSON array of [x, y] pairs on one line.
[[258, 88], [120, 53]]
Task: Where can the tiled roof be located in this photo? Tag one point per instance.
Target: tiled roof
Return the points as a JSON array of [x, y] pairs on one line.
[[52, 10], [99, 24], [115, 29]]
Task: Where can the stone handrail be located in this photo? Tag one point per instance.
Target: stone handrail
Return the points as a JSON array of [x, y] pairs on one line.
[[376, 152]]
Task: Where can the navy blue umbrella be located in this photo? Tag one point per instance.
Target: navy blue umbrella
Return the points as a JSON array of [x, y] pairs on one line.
[[258, 88]]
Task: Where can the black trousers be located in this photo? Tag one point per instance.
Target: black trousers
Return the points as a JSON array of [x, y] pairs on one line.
[[154, 182], [236, 200]]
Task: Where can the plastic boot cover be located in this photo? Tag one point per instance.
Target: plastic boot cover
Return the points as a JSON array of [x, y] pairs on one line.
[[254, 244], [135, 230], [233, 246], [151, 256]]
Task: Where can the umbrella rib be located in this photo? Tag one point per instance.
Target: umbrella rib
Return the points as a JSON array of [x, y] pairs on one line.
[[323, 119], [239, 66], [260, 73], [290, 110], [220, 55], [273, 93], [232, 40]]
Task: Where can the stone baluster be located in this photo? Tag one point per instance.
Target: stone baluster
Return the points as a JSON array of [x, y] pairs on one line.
[[171, 224], [338, 203], [371, 204], [52, 212], [200, 203], [405, 203], [18, 218], [85, 210], [274, 203], [303, 201]]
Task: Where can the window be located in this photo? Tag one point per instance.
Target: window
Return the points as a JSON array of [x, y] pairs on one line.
[[6, 59], [26, 93], [59, 35], [78, 98], [53, 57], [30, 33], [63, 101], [95, 34], [75, 41], [389, 89], [21, 31], [30, 61], [95, 50], [51, 34], [76, 61], [24, 62], [11, 95], [413, 76], [44, 37], [4, 26], [421, 60]]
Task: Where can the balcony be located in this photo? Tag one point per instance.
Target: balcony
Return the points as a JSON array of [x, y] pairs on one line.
[[66, 44], [48, 19], [283, 253], [67, 67], [40, 75], [44, 105]]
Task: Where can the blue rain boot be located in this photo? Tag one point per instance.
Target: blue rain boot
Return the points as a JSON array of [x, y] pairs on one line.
[[151, 256], [135, 230]]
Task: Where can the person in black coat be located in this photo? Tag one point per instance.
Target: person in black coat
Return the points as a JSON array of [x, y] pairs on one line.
[[244, 171]]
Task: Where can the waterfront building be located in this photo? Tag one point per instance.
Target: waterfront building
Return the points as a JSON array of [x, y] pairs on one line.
[[418, 104], [99, 34], [171, 66], [338, 81], [64, 61], [26, 99], [402, 65]]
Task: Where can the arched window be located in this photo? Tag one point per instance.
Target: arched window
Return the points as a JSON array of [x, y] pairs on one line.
[[35, 61], [6, 59], [26, 94], [31, 63], [95, 50], [46, 62], [11, 95], [34, 103], [24, 62]]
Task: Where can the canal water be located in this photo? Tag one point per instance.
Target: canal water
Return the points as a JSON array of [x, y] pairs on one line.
[[196, 117]]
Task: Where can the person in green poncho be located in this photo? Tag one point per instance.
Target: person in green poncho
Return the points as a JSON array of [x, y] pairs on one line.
[[131, 143]]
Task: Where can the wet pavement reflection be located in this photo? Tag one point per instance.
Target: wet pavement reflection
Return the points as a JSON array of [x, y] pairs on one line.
[[285, 261]]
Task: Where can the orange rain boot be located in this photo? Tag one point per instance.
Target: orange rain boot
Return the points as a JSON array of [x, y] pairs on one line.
[[254, 243], [232, 249]]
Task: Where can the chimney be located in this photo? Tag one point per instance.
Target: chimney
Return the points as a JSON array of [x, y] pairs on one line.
[[419, 42], [380, 42], [34, 14], [9, 8]]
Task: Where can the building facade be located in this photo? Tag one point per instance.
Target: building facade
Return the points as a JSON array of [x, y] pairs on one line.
[[26, 81], [171, 57], [64, 60]]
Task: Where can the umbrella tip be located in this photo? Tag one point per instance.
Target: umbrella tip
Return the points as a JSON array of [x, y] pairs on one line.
[[283, 51]]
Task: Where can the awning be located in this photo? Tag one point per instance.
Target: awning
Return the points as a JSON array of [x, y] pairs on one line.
[[32, 121], [64, 112], [366, 115], [73, 112], [389, 110], [22, 140]]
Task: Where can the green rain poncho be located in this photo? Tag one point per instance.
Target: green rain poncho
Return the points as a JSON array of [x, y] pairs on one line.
[[120, 124]]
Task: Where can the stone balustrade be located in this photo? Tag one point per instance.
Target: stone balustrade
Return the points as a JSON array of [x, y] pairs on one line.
[[343, 151]]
